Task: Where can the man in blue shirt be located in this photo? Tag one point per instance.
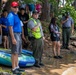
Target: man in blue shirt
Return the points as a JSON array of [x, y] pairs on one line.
[[15, 36], [67, 25]]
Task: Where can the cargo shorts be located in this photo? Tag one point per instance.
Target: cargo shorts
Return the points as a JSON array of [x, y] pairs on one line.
[[16, 49]]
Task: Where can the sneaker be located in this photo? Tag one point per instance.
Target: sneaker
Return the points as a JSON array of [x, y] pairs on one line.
[[60, 57], [56, 57], [41, 64], [16, 71], [20, 69]]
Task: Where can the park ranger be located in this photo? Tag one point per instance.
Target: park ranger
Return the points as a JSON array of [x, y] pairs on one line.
[[36, 36], [67, 25]]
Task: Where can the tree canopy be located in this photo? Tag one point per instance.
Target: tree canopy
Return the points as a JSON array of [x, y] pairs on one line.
[[56, 6]]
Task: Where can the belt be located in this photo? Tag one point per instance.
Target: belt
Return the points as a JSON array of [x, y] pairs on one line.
[[33, 38], [66, 27]]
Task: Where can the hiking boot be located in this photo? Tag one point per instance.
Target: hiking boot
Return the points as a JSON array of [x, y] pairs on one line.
[[37, 65], [41, 64], [67, 48]]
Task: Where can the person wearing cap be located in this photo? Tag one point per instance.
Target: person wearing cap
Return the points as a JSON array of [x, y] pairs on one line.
[[36, 37], [15, 31], [67, 25]]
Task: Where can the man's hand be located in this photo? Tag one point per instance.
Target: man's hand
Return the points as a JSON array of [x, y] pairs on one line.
[[59, 32], [72, 31], [4, 26], [14, 41], [25, 22], [39, 24], [43, 38], [67, 19]]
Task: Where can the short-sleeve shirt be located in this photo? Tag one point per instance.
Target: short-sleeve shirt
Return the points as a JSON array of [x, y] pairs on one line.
[[55, 30], [24, 17], [4, 21], [31, 25], [14, 21], [68, 23]]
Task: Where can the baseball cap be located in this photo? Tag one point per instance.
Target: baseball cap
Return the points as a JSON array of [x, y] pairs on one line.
[[67, 13], [14, 4], [35, 12]]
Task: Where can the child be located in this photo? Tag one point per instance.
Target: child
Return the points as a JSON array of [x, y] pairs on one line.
[[55, 38], [4, 23]]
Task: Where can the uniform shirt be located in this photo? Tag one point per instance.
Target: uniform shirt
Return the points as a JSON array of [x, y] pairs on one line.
[[4, 21], [68, 23], [31, 25], [14, 21]]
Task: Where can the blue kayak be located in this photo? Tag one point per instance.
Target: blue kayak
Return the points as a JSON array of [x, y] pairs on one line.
[[25, 59]]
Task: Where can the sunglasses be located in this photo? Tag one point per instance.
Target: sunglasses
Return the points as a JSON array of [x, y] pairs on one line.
[[15, 7]]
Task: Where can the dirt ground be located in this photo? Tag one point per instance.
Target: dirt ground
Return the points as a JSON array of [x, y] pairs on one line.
[[54, 66]]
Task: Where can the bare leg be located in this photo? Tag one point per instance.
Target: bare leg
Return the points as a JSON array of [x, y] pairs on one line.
[[58, 47], [54, 47], [14, 59], [7, 42], [4, 41]]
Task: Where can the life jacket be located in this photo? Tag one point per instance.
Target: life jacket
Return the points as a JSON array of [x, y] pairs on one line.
[[36, 34]]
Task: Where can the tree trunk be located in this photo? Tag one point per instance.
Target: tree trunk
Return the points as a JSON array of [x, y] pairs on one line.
[[74, 4], [0, 6], [45, 11]]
